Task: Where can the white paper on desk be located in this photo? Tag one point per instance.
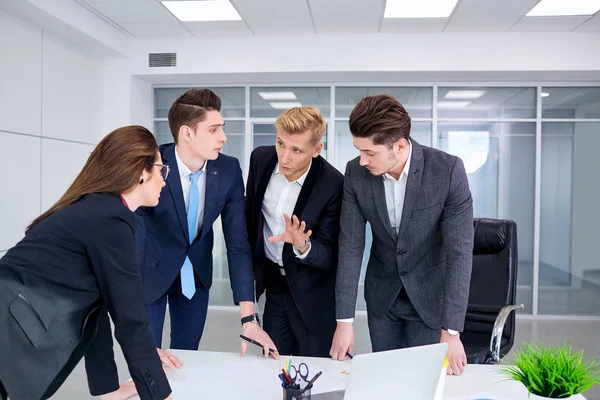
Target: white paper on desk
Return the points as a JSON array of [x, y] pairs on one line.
[[479, 396]]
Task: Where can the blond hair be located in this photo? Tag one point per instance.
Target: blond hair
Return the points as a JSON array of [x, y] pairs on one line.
[[298, 120]]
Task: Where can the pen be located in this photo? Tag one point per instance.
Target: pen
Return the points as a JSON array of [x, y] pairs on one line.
[[247, 339], [349, 355], [312, 381], [287, 377]]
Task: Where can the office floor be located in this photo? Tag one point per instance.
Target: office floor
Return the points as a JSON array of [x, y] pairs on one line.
[[223, 328]]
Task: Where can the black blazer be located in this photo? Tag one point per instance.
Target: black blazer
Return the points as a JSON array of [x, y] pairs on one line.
[[312, 280], [56, 286]]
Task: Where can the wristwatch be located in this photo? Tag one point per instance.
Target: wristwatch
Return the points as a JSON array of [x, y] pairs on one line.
[[304, 246], [251, 318], [451, 332]]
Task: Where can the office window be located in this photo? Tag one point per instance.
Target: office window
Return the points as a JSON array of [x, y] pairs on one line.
[[416, 100], [269, 102], [499, 159], [162, 132], [493, 130], [486, 102], [569, 219], [233, 100], [570, 102]]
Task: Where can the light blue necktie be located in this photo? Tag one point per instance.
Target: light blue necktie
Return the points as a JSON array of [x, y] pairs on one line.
[[188, 286]]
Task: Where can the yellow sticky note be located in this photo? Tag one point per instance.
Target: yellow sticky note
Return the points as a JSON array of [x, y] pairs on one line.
[[446, 362]]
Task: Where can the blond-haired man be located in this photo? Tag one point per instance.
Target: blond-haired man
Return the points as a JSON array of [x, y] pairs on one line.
[[293, 203]]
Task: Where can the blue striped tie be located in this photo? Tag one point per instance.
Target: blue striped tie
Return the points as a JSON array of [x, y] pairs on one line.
[[188, 286]]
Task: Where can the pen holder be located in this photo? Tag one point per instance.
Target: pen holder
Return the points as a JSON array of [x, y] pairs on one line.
[[293, 392]]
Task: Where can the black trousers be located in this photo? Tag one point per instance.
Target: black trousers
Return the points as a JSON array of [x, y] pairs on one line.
[[283, 322], [401, 327]]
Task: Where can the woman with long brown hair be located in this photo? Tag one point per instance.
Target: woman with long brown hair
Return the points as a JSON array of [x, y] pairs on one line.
[[74, 267]]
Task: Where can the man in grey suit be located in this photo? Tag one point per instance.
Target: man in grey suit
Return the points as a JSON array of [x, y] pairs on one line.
[[419, 205]]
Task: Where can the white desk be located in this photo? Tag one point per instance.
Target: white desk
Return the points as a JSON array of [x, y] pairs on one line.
[[225, 376]]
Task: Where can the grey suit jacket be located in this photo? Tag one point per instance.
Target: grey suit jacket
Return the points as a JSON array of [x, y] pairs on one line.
[[431, 256]]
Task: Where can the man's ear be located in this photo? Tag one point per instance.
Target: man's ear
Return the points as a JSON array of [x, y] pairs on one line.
[[318, 149], [185, 132]]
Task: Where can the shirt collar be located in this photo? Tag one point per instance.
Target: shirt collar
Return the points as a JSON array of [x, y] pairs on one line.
[[299, 181], [184, 171], [406, 168]]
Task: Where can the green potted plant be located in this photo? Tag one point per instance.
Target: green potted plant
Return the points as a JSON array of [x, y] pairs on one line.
[[552, 372]]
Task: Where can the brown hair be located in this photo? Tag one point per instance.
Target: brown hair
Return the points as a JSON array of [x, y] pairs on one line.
[[114, 166], [190, 109], [381, 118], [301, 119]]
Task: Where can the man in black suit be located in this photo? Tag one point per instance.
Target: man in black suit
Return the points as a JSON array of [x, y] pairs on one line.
[[293, 203]]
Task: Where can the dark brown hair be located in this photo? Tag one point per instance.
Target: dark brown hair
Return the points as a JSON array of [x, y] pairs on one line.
[[191, 108], [381, 118], [114, 166]]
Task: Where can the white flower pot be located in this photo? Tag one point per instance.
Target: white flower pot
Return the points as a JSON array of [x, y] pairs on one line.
[[537, 397]]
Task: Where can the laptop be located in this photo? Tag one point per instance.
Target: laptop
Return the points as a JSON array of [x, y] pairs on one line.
[[411, 373]]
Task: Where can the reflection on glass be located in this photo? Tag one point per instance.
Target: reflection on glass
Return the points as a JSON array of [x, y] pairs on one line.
[[486, 102], [345, 150], [569, 270], [499, 159], [236, 139], [162, 132], [269, 102], [416, 100], [233, 101], [570, 102]]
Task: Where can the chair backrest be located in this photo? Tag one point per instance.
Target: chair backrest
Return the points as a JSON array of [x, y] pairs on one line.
[[494, 276]]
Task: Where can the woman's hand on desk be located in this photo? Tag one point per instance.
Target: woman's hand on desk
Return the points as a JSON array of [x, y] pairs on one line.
[[169, 360], [125, 391]]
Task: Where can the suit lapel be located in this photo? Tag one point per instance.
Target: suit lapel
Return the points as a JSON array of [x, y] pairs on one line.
[[174, 184], [413, 184], [211, 193], [307, 187], [380, 203]]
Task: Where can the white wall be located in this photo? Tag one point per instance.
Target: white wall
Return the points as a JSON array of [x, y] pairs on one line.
[[447, 52], [50, 120]]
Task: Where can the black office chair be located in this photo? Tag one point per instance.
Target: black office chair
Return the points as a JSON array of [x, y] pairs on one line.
[[489, 331]]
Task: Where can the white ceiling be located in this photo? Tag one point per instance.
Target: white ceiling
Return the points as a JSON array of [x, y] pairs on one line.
[[149, 19]]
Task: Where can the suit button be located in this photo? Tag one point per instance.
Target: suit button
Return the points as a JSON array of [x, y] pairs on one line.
[[402, 273], [401, 253], [148, 375], [152, 383]]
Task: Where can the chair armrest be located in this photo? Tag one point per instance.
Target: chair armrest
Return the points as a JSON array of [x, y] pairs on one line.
[[496, 341]]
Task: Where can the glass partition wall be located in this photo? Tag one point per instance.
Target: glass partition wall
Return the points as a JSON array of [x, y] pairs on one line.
[[530, 152]]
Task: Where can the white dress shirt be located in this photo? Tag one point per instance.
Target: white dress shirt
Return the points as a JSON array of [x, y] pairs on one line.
[[280, 198], [395, 191], [186, 184]]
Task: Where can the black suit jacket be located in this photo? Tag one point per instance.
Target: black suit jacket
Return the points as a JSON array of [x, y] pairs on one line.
[[311, 280], [56, 287]]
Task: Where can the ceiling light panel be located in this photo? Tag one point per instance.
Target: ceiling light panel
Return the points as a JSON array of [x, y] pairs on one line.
[[201, 11], [284, 105], [419, 9], [277, 95], [464, 94], [555, 8]]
